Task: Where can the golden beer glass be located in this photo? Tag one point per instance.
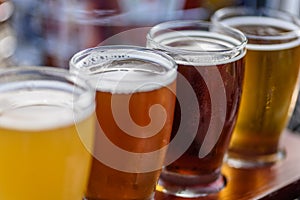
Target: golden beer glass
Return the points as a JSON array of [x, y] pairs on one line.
[[210, 62], [46, 134], [135, 99], [270, 84]]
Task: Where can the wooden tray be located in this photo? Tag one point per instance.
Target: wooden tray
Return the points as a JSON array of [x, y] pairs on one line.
[[278, 182]]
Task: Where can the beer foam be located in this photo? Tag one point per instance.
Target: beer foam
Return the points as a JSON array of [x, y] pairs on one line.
[[267, 21], [125, 76], [38, 109], [200, 47]]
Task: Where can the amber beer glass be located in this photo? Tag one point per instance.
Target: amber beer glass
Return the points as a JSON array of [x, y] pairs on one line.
[[270, 85], [211, 67], [135, 102], [46, 134]]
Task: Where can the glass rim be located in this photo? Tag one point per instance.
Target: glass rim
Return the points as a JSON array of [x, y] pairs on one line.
[[75, 80], [124, 68], [9, 7], [244, 11], [46, 86], [124, 49], [197, 23], [43, 70]]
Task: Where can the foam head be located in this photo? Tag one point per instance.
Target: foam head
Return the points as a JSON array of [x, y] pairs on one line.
[[124, 69]]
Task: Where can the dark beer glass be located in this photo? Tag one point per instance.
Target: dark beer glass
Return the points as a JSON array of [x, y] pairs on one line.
[[270, 85], [209, 84], [135, 100]]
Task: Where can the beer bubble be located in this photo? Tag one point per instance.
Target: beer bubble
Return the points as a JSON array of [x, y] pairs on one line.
[[122, 78], [105, 69]]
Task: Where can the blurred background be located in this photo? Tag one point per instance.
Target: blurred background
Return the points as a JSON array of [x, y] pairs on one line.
[[49, 32]]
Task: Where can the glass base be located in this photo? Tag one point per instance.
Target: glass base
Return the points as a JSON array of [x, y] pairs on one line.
[[187, 186], [240, 161]]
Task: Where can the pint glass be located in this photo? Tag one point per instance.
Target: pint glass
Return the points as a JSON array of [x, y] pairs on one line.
[[46, 134], [211, 68], [135, 100], [270, 85]]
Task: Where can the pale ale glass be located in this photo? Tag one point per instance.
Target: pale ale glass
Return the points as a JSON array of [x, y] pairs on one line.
[[211, 68], [46, 134], [270, 85], [135, 100]]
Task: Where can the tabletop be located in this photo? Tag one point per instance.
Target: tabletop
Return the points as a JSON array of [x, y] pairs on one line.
[[278, 182]]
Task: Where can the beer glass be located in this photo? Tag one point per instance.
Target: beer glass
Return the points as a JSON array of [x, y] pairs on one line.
[[135, 100], [46, 134], [270, 85], [211, 67]]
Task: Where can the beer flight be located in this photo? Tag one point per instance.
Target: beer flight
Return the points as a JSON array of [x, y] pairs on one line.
[[126, 121]]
